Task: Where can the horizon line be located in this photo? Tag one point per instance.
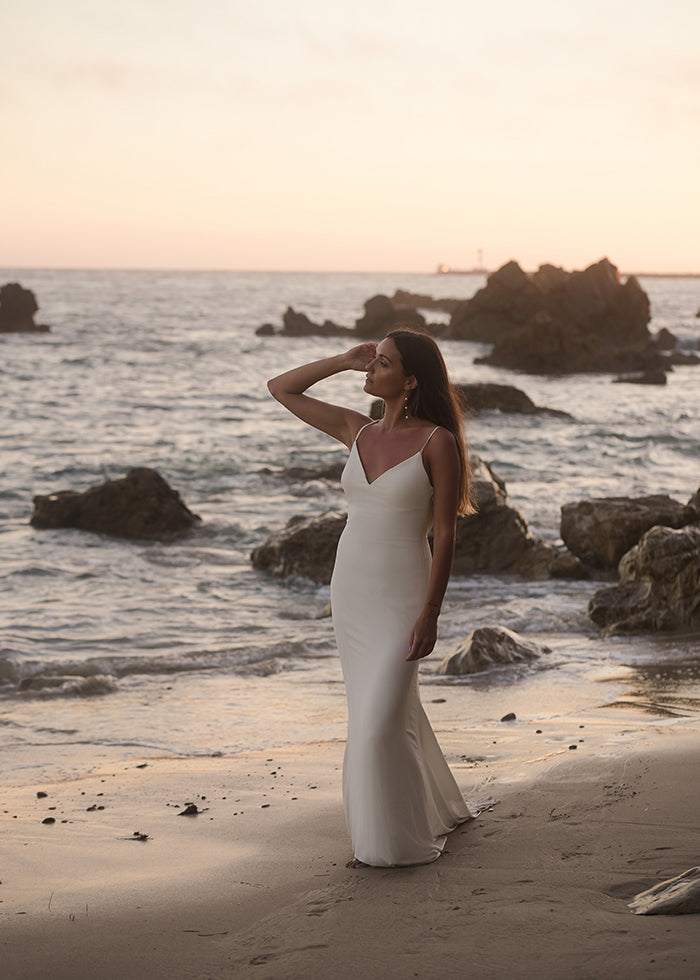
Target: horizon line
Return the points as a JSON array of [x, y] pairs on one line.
[[350, 272]]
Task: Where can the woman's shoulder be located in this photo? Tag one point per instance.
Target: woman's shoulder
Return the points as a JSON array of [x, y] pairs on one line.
[[438, 433]]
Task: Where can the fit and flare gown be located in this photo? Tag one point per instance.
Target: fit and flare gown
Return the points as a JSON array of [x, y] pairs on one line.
[[399, 795]]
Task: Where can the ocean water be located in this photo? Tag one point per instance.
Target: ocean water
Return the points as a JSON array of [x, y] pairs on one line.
[[184, 648]]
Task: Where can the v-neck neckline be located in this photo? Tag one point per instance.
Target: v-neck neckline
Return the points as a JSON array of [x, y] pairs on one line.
[[419, 452], [370, 483]]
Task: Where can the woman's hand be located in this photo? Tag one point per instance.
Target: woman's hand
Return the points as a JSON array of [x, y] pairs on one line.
[[359, 358], [423, 635]]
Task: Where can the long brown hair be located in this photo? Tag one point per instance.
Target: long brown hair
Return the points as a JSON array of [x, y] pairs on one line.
[[434, 398]]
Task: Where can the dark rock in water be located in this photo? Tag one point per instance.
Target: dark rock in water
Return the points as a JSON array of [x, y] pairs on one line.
[[511, 716], [497, 535], [489, 646], [497, 538], [659, 586], [489, 397], [17, 308], [381, 316], [556, 322], [304, 547], [600, 531], [486, 396], [299, 325], [657, 377], [420, 301], [678, 357], [675, 896], [140, 505], [665, 340], [295, 324]]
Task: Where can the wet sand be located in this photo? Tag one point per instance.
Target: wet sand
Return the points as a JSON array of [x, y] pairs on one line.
[[254, 884]]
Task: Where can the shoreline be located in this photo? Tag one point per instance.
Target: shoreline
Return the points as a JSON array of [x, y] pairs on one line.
[[255, 884]]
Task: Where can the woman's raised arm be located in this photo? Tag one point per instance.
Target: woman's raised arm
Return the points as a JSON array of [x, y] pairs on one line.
[[289, 389]]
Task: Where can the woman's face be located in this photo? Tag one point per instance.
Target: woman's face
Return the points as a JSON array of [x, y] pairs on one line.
[[385, 374]]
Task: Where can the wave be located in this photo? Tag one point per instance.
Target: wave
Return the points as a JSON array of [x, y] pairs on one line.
[[101, 675], [54, 686]]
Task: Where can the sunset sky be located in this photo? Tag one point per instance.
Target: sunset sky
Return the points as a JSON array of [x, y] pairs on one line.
[[350, 134]]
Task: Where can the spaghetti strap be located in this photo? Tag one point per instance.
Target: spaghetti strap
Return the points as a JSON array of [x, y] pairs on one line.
[[429, 437], [366, 426]]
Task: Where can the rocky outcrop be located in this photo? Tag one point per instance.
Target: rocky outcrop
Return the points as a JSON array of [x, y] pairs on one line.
[[554, 322], [381, 315], [140, 505], [295, 324], [489, 646], [304, 547], [600, 531], [495, 539], [17, 308], [659, 587], [420, 301], [486, 396]]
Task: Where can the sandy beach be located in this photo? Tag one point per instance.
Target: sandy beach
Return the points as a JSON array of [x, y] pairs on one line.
[[255, 884]]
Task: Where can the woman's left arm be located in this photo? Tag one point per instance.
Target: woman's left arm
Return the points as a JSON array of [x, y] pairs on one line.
[[442, 462]]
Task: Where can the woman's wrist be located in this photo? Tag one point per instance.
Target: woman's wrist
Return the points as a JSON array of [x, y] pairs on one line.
[[433, 608]]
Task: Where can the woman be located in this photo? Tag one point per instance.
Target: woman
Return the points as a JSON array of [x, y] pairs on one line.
[[405, 473]]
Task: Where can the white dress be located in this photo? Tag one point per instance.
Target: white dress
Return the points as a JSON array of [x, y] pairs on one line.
[[399, 794]]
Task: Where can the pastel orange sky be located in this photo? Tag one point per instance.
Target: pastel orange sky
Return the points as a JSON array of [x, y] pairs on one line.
[[350, 134]]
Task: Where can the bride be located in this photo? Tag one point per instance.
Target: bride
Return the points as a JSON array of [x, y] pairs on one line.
[[407, 472]]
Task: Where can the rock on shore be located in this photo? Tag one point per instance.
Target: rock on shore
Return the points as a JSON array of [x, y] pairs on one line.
[[489, 646], [602, 530], [140, 505], [659, 587]]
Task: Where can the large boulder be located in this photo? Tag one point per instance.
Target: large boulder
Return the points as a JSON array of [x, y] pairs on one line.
[[140, 505], [17, 308], [497, 538], [601, 530], [489, 646], [555, 321], [659, 587], [304, 547]]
